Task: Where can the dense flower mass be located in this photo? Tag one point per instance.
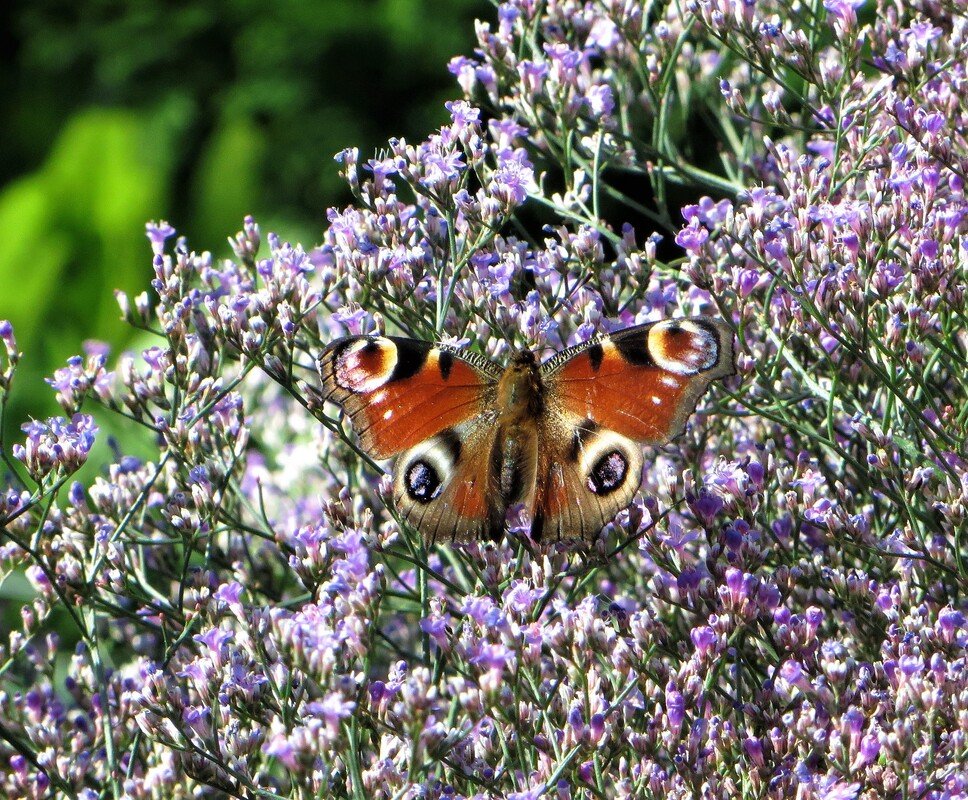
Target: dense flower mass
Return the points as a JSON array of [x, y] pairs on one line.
[[781, 611]]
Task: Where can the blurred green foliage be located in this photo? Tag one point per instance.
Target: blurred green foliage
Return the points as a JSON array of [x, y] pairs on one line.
[[120, 111]]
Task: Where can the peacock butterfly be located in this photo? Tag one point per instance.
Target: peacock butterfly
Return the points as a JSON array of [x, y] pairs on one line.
[[562, 437]]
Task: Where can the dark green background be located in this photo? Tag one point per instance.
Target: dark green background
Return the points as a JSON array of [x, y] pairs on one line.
[[118, 112]]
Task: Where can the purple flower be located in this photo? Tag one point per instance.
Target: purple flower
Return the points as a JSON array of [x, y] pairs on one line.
[[675, 706], [280, 747], [533, 75], [7, 337], [229, 593], [792, 672], [838, 790], [436, 629], [604, 34], [464, 69], [564, 63], [952, 623], [512, 180], [749, 281], [81, 378], [441, 168], [843, 8], [708, 212], [463, 114], [692, 237], [56, 444], [333, 709], [704, 639], [870, 748], [215, 640], [521, 598], [506, 132], [601, 102], [706, 506], [530, 794], [754, 749], [158, 233]]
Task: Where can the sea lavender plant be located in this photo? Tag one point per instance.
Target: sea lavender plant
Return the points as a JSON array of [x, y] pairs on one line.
[[780, 613]]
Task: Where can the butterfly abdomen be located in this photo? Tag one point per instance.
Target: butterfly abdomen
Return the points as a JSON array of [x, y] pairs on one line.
[[514, 470], [514, 454]]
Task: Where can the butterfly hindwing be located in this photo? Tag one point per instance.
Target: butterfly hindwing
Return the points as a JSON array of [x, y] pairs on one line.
[[443, 486], [642, 382], [398, 392], [587, 474]]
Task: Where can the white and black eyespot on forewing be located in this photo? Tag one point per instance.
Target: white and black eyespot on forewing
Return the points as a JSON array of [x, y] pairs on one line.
[[423, 471], [684, 346], [364, 365]]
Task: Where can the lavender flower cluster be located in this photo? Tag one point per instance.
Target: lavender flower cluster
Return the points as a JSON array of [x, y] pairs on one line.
[[780, 613]]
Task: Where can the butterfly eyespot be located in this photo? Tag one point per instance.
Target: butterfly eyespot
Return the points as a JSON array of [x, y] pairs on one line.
[[609, 473], [422, 482], [365, 365], [683, 347]]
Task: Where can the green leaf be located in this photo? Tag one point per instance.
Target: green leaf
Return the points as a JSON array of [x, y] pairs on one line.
[[32, 258], [227, 183], [79, 234]]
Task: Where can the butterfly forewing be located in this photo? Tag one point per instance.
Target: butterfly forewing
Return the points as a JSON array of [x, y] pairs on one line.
[[400, 392], [642, 382]]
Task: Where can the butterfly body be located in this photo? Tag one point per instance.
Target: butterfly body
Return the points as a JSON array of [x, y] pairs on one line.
[[560, 437]]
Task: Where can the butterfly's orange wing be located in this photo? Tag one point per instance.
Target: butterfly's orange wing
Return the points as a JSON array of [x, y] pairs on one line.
[[444, 486], [399, 392], [586, 475], [642, 382], [434, 407], [604, 399]]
